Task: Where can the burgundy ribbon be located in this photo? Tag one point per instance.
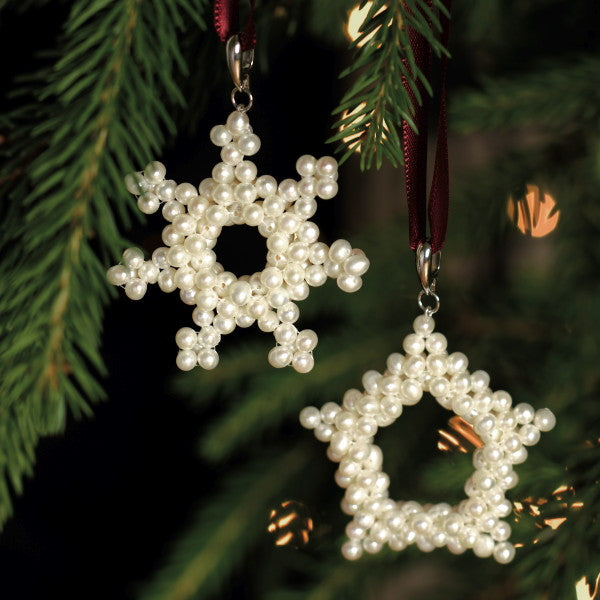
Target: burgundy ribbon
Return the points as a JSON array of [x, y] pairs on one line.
[[415, 152], [227, 22]]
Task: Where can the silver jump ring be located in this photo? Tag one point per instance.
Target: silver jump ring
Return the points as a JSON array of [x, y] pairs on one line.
[[239, 106], [428, 310]]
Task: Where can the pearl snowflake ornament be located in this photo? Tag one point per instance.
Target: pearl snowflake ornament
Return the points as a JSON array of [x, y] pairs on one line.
[[235, 195], [477, 522]]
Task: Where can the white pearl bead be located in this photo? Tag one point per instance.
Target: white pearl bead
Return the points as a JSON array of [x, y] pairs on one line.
[[315, 275], [186, 360], [544, 419], [155, 172], [148, 203], [266, 186], [223, 173], [326, 166], [220, 135], [208, 358], [529, 434], [308, 232], [305, 208], [423, 325], [231, 155], [280, 356], [186, 338], [166, 190], [268, 322], [197, 206], [237, 122], [206, 187], [117, 275], [306, 165], [133, 258], [285, 334], [209, 337], [457, 363], [327, 188], [310, 417], [413, 344], [504, 552], [248, 144], [240, 292], [306, 340], [436, 343], [395, 362], [479, 381], [411, 392], [524, 413], [349, 283], [352, 550], [135, 289], [288, 190], [501, 531], [323, 432], [224, 325], [245, 171], [298, 252], [484, 546], [136, 183], [166, 280], [184, 192], [340, 250], [303, 362], [356, 264]]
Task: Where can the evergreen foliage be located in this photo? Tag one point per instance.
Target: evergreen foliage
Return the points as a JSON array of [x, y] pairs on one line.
[[77, 126], [100, 104], [376, 103]]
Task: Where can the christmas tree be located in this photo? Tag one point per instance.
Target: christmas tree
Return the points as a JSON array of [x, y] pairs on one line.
[[122, 477]]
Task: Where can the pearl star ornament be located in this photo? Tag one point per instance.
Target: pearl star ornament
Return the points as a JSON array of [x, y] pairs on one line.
[[476, 523], [235, 195]]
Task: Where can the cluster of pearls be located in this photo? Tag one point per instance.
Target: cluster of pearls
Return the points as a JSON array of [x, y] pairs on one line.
[[234, 195], [505, 431]]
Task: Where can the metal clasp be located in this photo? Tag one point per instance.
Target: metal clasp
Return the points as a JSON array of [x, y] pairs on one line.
[[239, 63], [428, 267]]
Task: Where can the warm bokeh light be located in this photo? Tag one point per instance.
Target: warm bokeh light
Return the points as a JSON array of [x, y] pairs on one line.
[[356, 18], [535, 215], [290, 524], [584, 591], [463, 440], [560, 499]]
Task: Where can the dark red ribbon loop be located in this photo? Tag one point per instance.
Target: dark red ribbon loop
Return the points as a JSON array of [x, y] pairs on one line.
[[227, 22], [415, 152]]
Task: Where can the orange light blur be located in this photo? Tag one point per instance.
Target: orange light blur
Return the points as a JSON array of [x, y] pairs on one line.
[[356, 18], [465, 439], [584, 591], [535, 215]]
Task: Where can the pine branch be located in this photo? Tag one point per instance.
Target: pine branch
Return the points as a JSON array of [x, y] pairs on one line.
[[272, 398], [531, 99], [373, 109], [81, 121], [223, 531]]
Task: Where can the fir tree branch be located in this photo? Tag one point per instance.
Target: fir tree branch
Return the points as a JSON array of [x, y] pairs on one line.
[[224, 530], [273, 398], [531, 99], [81, 121], [373, 109]]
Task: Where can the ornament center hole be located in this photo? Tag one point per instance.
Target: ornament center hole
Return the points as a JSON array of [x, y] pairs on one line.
[[241, 250]]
